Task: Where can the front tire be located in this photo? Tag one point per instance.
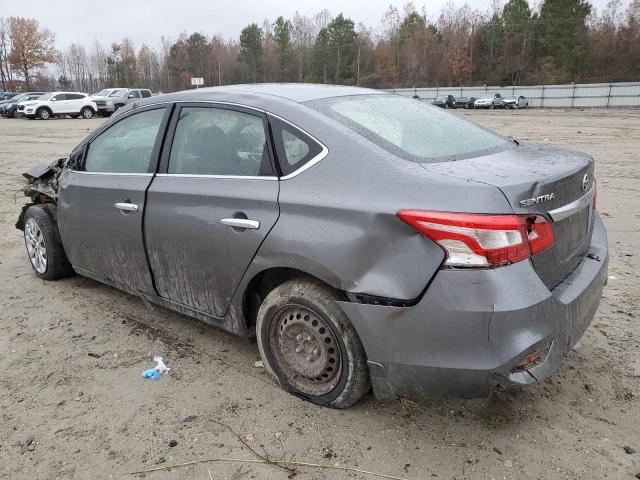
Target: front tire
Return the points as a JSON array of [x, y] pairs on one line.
[[43, 114], [309, 346], [44, 247]]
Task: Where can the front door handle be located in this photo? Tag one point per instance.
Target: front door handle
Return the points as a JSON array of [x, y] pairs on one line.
[[126, 207], [241, 223]]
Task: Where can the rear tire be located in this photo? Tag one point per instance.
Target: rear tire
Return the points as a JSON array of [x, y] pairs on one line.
[[309, 346], [87, 113], [43, 243]]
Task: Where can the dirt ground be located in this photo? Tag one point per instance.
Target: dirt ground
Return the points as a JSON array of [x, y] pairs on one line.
[[73, 405]]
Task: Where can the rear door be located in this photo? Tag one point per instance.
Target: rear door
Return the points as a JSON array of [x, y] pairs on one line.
[[102, 201], [212, 204], [74, 102]]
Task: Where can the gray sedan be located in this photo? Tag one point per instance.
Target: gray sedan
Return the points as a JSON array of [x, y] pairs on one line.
[[364, 239]]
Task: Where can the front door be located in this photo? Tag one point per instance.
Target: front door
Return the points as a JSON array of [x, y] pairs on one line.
[[59, 104], [211, 206], [101, 204]]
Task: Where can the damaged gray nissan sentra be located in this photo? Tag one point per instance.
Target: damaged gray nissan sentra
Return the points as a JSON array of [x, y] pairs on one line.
[[364, 239]]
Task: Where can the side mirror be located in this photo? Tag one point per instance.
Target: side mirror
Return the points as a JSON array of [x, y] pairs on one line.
[[131, 95], [54, 99]]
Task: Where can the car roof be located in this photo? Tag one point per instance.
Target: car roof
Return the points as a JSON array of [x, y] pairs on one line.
[[295, 92]]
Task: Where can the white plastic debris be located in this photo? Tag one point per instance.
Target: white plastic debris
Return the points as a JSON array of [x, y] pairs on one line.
[[259, 364], [160, 366]]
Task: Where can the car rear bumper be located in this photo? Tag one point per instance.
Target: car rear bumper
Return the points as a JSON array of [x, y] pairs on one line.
[[473, 327]]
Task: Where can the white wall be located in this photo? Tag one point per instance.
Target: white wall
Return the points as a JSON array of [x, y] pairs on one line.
[[578, 95]]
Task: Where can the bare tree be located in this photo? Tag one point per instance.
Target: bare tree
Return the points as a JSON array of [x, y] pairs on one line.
[[5, 48]]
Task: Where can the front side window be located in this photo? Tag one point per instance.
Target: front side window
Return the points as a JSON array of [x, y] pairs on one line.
[[134, 94], [409, 128], [127, 146], [214, 141]]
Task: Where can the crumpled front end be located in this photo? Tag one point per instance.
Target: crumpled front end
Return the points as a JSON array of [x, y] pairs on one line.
[[42, 185]]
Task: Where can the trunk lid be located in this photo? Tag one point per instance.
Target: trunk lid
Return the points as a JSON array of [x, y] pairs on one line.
[[546, 180]]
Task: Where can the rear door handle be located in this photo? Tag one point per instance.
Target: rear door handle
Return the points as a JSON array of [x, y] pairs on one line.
[[241, 223], [126, 207]]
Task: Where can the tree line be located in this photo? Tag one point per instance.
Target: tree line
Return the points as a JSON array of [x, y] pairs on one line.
[[561, 41]]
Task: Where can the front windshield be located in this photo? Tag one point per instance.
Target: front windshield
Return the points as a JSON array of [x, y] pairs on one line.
[[117, 93], [17, 98], [102, 93], [410, 128]]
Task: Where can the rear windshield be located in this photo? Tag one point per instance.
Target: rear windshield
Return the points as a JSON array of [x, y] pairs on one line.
[[410, 128]]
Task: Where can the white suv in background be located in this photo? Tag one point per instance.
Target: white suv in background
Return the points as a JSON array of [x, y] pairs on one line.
[[58, 104]]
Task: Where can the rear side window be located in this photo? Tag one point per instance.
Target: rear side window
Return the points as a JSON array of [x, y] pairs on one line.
[[145, 93], [125, 147], [216, 141], [409, 128], [74, 96], [293, 147]]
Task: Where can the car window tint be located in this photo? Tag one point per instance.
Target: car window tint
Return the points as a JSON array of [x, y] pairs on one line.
[[213, 141], [134, 94], [60, 96], [74, 96], [293, 147], [126, 146], [146, 93]]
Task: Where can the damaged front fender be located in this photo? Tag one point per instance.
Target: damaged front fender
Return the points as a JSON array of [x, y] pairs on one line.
[[42, 185]]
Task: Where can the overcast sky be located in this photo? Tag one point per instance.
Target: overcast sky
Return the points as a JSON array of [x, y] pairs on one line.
[[147, 20]]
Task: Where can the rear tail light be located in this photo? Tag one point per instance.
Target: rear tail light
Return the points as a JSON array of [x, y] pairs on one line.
[[479, 240]]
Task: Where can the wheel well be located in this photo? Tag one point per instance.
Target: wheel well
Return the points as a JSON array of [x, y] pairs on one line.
[[43, 108], [265, 281]]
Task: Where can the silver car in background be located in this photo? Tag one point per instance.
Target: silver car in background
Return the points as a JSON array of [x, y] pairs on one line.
[[515, 102], [364, 239]]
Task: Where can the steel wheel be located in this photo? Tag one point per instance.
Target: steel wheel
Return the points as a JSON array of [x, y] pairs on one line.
[[306, 349], [36, 246]]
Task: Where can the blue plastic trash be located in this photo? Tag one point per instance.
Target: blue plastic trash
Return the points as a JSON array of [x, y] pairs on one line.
[[152, 373]]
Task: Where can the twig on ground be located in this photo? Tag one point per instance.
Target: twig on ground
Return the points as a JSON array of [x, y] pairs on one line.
[[269, 462], [265, 458]]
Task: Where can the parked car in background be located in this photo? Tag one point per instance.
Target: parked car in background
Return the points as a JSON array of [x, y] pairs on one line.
[[122, 98], [444, 101], [105, 100], [7, 95], [236, 205], [58, 104], [489, 101], [8, 108], [464, 102], [516, 102]]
